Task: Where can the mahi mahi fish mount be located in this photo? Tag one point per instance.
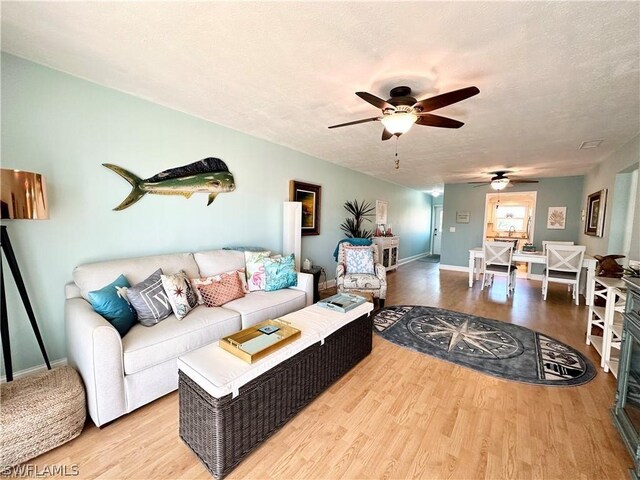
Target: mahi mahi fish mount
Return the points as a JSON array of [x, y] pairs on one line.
[[209, 175]]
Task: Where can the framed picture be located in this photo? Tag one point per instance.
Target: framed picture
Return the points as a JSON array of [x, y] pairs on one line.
[[381, 212], [309, 195], [463, 217], [557, 218], [596, 207]]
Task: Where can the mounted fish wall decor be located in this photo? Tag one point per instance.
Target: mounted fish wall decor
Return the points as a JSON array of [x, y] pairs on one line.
[[209, 175]]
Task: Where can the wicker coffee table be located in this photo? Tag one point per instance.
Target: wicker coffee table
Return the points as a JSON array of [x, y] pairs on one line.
[[228, 407]]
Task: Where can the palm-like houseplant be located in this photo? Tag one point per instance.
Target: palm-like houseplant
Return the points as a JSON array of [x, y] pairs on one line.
[[359, 213]]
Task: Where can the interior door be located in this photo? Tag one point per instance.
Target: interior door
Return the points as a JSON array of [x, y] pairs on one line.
[[437, 230]]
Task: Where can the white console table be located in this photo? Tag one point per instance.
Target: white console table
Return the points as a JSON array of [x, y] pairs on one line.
[[388, 251]]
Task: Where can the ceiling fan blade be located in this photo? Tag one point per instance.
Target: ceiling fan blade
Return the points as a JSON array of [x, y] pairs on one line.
[[372, 119], [375, 101], [386, 134], [437, 121], [523, 181], [479, 183], [445, 99]]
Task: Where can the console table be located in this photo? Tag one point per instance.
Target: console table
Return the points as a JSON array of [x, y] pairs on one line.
[[388, 250]]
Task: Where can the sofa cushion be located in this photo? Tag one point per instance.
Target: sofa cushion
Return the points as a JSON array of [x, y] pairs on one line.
[[145, 347], [224, 290], [258, 306], [180, 293], [93, 276], [150, 300], [363, 281], [112, 303], [280, 273], [214, 262]]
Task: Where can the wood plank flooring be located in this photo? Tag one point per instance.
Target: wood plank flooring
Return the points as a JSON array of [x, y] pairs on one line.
[[400, 414]]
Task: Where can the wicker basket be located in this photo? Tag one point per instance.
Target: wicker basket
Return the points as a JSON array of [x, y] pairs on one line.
[[39, 413], [222, 431]]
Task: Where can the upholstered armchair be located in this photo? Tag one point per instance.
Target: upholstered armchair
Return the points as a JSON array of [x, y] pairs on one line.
[[375, 284]]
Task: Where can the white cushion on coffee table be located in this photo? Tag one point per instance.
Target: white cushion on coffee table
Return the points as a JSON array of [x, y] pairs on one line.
[[220, 373]]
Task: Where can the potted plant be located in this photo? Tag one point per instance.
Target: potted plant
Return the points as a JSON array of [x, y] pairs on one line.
[[353, 226]]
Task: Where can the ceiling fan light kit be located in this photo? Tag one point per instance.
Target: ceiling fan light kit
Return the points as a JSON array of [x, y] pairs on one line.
[[399, 122], [499, 183]]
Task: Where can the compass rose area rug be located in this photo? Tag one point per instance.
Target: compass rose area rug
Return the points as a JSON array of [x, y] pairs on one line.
[[490, 346]]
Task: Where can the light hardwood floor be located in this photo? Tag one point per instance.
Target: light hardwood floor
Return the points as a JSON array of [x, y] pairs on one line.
[[400, 414]]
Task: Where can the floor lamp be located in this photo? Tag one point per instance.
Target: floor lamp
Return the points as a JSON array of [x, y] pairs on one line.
[[23, 195]]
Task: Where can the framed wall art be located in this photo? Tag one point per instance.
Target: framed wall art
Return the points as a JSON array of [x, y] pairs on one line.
[[309, 195], [381, 212], [463, 217], [557, 218], [596, 207]]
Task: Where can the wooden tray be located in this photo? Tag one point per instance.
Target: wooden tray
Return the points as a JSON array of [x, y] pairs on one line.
[[251, 344]]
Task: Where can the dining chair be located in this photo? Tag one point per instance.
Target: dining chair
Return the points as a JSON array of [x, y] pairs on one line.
[[498, 261], [553, 242], [564, 265]]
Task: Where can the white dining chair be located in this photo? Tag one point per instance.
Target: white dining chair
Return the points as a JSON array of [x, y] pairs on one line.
[[553, 242], [497, 261], [564, 264]]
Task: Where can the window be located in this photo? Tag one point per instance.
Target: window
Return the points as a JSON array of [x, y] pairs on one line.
[[511, 217]]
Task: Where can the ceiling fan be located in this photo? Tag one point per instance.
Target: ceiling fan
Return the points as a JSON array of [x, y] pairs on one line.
[[500, 180], [401, 111]]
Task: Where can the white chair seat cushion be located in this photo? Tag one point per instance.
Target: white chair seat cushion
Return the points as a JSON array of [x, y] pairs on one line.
[[257, 306], [362, 281], [144, 347]]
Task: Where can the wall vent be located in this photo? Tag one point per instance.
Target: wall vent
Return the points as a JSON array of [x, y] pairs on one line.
[[590, 144]]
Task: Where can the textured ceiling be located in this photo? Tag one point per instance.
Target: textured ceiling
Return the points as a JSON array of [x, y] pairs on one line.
[[551, 75]]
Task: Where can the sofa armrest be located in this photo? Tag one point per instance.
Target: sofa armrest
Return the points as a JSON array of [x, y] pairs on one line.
[[94, 348], [305, 283]]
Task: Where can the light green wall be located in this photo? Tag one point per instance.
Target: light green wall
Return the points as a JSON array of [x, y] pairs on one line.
[[552, 192], [625, 159], [65, 128]]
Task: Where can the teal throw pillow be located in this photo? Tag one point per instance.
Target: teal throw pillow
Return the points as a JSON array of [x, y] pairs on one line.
[[280, 273], [111, 302]]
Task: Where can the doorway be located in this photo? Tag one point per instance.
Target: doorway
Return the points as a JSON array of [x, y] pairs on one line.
[[436, 236], [509, 217]]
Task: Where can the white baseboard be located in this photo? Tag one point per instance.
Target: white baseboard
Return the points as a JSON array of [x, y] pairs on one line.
[[37, 369], [413, 258], [455, 268], [328, 284]]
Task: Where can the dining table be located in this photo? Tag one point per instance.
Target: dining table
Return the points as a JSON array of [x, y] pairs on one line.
[[589, 263]]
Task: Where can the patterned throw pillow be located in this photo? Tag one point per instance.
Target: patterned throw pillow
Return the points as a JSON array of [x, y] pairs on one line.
[[254, 266], [217, 293], [150, 300], [208, 280], [111, 302], [358, 260], [181, 295], [280, 273]]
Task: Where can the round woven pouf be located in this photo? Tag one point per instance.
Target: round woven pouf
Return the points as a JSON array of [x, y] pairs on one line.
[[39, 413]]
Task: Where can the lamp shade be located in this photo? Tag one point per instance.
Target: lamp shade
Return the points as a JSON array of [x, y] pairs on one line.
[[23, 195], [398, 122]]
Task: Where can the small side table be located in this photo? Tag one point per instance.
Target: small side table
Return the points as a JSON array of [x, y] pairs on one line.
[[315, 271]]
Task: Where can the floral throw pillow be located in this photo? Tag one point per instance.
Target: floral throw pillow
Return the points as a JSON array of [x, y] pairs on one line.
[[181, 295], [254, 267], [219, 292], [358, 260], [280, 273]]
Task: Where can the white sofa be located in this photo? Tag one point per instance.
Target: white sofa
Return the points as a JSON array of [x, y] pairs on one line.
[[122, 374]]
